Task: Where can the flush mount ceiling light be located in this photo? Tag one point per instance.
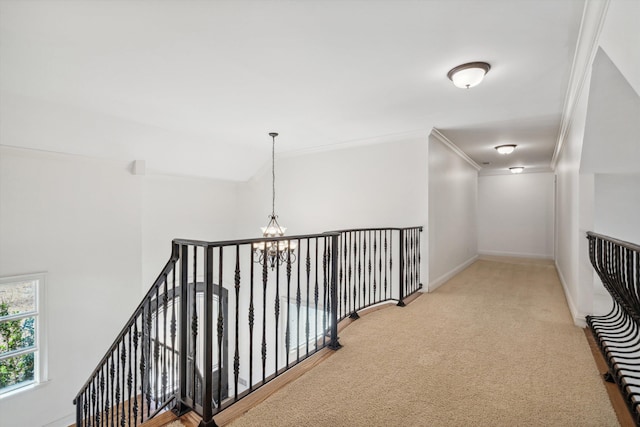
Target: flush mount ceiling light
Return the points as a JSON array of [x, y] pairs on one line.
[[468, 75], [506, 149], [517, 169]]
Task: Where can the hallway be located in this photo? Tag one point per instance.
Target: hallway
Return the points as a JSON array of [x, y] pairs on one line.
[[495, 346]]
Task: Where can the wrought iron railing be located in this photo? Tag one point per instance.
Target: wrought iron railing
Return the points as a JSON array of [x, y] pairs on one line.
[[618, 332], [214, 309]]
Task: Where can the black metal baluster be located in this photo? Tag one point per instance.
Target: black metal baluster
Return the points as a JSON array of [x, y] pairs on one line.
[[287, 330], [144, 363], [149, 366], [386, 258], [351, 307], [334, 344], [341, 274], [325, 290], [236, 356], [93, 407], [380, 267], [165, 367], [276, 308], [264, 321], [361, 293], [183, 333], [400, 294], [135, 376], [308, 271], [401, 284], [85, 407], [123, 366], [113, 405], [116, 406], [297, 309], [364, 268], [174, 365], [315, 298], [419, 257], [156, 350], [79, 402], [414, 275], [129, 377], [375, 255], [369, 264], [101, 402], [221, 325], [194, 326], [409, 282], [251, 320], [207, 336]]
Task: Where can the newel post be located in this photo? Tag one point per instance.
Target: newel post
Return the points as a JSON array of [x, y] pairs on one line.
[[207, 369], [334, 344], [401, 269], [182, 407]]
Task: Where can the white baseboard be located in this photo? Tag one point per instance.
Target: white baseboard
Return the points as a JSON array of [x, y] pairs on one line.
[[579, 319], [514, 255], [442, 279]]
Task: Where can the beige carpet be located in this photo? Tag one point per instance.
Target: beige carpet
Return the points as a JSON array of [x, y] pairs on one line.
[[495, 346]]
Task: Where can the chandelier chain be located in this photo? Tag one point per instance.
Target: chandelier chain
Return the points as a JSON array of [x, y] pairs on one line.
[[273, 176]]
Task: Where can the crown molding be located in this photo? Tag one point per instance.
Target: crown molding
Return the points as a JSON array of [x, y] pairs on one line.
[[446, 141], [593, 17]]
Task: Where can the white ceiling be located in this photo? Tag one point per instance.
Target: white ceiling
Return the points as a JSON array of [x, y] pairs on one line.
[[194, 87]]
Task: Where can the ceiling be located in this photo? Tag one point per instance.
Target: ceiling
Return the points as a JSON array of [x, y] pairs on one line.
[[194, 87]]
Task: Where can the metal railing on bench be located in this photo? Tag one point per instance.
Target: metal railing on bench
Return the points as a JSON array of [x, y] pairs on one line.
[[227, 309], [618, 332]]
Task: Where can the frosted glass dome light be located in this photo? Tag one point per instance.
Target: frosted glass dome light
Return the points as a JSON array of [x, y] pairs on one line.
[[468, 75], [506, 149]]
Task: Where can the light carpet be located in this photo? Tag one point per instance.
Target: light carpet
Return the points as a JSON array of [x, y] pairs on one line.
[[495, 346]]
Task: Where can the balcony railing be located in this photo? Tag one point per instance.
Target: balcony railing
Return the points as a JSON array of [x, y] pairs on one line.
[[224, 318], [618, 332]]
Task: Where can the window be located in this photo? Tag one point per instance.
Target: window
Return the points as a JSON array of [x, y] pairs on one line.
[[298, 335], [21, 332]]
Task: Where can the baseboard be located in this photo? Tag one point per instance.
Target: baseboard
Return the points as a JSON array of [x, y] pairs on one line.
[[579, 319], [445, 277], [515, 255]]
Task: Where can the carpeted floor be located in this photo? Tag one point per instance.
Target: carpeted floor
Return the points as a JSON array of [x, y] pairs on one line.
[[495, 346]]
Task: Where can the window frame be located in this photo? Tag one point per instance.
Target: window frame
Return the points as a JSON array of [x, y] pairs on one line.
[[39, 349]]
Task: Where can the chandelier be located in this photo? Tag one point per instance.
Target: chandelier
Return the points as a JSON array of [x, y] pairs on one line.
[[275, 252]]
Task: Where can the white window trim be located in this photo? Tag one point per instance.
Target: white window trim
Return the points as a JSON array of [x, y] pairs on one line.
[[41, 366]]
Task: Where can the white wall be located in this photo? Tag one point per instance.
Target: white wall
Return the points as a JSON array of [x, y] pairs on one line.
[[620, 39], [516, 215], [602, 138], [186, 208], [79, 221], [102, 235], [617, 203], [568, 213], [612, 127], [453, 235], [382, 185]]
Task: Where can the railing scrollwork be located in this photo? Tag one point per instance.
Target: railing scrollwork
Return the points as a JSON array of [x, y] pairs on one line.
[[617, 333]]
